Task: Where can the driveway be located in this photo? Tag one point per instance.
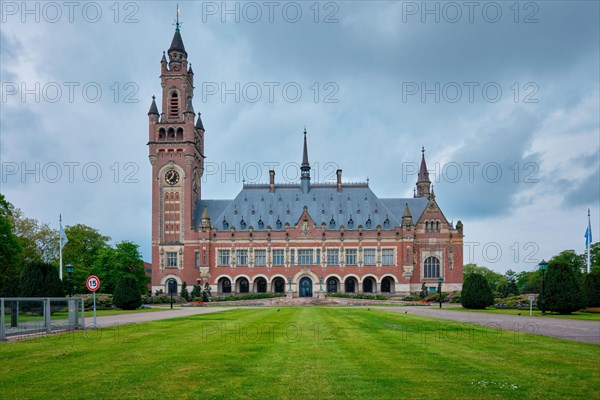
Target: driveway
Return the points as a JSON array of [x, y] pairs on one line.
[[570, 329]]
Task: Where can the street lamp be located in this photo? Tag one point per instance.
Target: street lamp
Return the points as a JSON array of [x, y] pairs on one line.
[[172, 289], [543, 267], [321, 283], [70, 273], [290, 282], [440, 281]]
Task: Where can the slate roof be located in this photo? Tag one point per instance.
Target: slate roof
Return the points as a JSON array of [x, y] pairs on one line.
[[354, 206], [177, 43]]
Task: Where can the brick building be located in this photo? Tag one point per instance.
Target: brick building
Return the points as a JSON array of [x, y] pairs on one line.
[[305, 238]]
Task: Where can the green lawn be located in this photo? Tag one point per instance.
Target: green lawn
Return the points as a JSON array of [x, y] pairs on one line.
[[299, 353], [586, 316]]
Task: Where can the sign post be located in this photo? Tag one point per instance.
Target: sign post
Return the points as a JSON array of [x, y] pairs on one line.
[[531, 299], [93, 284]]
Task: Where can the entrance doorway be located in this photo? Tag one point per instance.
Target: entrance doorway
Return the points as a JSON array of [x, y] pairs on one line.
[[306, 287]]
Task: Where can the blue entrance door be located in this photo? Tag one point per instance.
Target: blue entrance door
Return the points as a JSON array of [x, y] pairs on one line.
[[305, 287]]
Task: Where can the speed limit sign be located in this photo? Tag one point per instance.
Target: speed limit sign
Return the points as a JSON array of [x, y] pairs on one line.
[[93, 283]]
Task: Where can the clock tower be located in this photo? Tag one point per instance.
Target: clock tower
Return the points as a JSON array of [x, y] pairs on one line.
[[176, 153]]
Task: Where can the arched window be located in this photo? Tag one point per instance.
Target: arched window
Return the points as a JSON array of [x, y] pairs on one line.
[[171, 133], [179, 133], [279, 285], [437, 226], [350, 286], [244, 285], [332, 285], [161, 133], [174, 105], [226, 285], [368, 285], [431, 267], [386, 285]]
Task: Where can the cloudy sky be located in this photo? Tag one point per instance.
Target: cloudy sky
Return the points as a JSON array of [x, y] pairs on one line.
[[504, 97]]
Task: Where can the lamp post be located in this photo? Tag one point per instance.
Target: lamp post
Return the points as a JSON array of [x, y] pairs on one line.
[[321, 283], [543, 265], [440, 281], [290, 282], [172, 288], [70, 273]]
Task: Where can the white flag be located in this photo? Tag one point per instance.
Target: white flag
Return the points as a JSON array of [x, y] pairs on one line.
[[63, 237]]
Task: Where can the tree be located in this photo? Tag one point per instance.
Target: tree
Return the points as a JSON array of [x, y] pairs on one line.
[[112, 264], [591, 289], [563, 290], [83, 247], [127, 295], [476, 292], [577, 262], [494, 279], [10, 246], [184, 292], [38, 240], [40, 279], [196, 291]]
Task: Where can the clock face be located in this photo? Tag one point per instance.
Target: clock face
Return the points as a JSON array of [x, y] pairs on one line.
[[171, 177]]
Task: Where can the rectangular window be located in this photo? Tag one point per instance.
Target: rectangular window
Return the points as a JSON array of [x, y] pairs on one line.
[[387, 256], [369, 256], [305, 257], [197, 259], [333, 257], [278, 257], [224, 257], [171, 259], [292, 257], [318, 261], [242, 256], [350, 256], [260, 257]]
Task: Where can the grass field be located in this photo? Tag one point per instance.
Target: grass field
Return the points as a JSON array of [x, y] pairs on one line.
[[299, 353], [30, 317], [581, 315]]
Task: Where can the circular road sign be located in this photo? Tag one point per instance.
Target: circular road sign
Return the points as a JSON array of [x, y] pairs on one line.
[[93, 283]]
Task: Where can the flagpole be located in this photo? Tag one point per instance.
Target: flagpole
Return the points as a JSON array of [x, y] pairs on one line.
[[60, 245], [589, 241]]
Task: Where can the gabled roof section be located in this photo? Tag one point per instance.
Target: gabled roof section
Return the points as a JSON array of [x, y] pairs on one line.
[[352, 207]]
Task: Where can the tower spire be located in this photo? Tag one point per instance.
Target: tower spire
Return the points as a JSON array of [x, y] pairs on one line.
[[177, 19], [305, 168], [423, 182]]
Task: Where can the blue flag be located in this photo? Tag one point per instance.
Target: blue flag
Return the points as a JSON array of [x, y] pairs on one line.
[[588, 236]]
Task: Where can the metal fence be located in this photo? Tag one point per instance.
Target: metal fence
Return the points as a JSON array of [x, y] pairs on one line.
[[29, 315]]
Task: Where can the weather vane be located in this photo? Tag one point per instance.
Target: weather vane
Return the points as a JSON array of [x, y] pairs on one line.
[[177, 23]]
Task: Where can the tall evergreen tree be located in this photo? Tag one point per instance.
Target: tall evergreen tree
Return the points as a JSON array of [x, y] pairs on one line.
[[476, 292], [591, 289], [40, 279], [563, 291], [127, 294]]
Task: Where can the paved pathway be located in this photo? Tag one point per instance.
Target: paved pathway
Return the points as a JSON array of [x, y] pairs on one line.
[[570, 329], [121, 319]]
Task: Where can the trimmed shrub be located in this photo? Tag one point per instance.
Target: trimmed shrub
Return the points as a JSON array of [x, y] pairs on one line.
[[476, 293], [591, 289], [196, 291], [563, 291], [127, 294], [184, 294]]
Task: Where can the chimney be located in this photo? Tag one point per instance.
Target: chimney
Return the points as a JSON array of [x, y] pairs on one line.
[[271, 181], [339, 180]]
